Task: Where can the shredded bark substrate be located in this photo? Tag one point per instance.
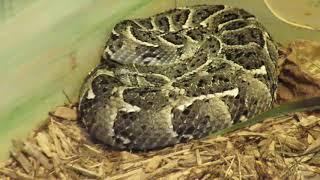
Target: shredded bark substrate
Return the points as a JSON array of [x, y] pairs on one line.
[[281, 148]]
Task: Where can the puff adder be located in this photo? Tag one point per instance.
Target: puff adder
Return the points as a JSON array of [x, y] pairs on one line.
[[179, 75]]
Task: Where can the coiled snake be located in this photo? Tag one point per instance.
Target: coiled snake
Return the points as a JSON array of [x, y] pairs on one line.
[[179, 75]]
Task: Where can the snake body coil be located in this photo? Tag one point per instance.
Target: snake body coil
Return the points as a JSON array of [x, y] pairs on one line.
[[179, 75]]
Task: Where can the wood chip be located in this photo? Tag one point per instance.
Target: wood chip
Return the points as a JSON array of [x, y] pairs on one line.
[[43, 141], [310, 139], [23, 160], [127, 156], [66, 113], [169, 166], [35, 152], [198, 156], [85, 172], [64, 140], [56, 142], [16, 174], [93, 149], [137, 173], [247, 133], [230, 146], [308, 121], [314, 147], [291, 142], [153, 164]]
